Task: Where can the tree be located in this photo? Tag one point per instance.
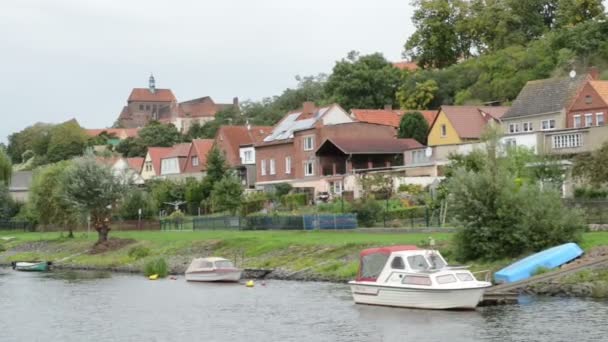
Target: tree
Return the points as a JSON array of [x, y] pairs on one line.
[[6, 168], [441, 37], [94, 189], [48, 198], [8, 207], [503, 217], [421, 96], [574, 12], [157, 134], [227, 194], [413, 125], [592, 167], [67, 140], [131, 147], [368, 81], [194, 194], [134, 200], [35, 138]]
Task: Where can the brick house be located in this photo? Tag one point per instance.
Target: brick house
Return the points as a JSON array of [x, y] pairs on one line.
[[196, 161], [237, 145], [147, 104]]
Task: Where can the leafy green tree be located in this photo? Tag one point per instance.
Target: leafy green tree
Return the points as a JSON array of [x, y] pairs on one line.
[[194, 194], [368, 81], [93, 189], [592, 167], [8, 207], [503, 217], [131, 147], [48, 198], [420, 97], [35, 138], [574, 12], [67, 140], [227, 194], [413, 125], [440, 38], [165, 190], [157, 134], [134, 200], [6, 168]]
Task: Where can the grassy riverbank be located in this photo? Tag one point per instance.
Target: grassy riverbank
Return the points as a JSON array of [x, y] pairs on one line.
[[293, 254]]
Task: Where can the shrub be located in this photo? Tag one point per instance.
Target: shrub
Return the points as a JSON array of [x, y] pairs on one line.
[[139, 252], [2, 248], [590, 193], [294, 201], [412, 189], [253, 203], [368, 211], [157, 266], [134, 200], [282, 189], [177, 215], [406, 213]]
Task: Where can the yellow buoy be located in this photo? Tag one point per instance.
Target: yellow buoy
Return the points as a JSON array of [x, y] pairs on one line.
[[153, 277], [249, 283]]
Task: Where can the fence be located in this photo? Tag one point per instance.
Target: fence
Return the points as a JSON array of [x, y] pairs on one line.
[[267, 222], [129, 225], [17, 225]]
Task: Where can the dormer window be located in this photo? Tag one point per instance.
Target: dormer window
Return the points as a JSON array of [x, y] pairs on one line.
[[588, 99], [195, 161]]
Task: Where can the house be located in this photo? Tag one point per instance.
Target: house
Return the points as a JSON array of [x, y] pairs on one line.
[[173, 164], [388, 116], [19, 186], [127, 169], [237, 144], [455, 125], [319, 149], [147, 104], [119, 133], [196, 162], [152, 162], [406, 65]]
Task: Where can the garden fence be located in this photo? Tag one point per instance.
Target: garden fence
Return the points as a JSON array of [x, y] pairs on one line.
[[266, 222]]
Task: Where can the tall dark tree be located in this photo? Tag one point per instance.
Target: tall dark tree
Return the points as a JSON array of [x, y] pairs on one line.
[[158, 134], [67, 141], [6, 168], [574, 12], [131, 147], [363, 81], [414, 125]]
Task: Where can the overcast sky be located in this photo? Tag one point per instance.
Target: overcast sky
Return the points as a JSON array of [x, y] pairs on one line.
[[80, 58]]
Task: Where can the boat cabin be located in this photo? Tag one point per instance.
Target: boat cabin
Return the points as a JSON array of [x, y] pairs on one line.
[[409, 266], [211, 264]]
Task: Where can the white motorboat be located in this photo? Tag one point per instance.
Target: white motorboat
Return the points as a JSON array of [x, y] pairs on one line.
[[405, 276], [212, 269]]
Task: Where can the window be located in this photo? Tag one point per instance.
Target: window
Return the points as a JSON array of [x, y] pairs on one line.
[[273, 167], [419, 157], [148, 166], [588, 99], [248, 156], [510, 142], [599, 119], [444, 130], [195, 161], [154, 108], [309, 143], [147, 107], [547, 124], [397, 263], [446, 279], [588, 120], [287, 165], [417, 262], [527, 127], [464, 276], [570, 140], [577, 121], [417, 280], [309, 168], [513, 128], [336, 187], [141, 107], [263, 167]]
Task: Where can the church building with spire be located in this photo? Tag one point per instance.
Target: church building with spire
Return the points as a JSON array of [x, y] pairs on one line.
[[148, 104]]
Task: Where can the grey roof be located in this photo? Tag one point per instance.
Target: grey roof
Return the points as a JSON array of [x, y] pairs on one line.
[[545, 96], [21, 180], [285, 128]]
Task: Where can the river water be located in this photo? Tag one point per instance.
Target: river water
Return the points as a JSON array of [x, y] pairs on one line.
[[79, 306]]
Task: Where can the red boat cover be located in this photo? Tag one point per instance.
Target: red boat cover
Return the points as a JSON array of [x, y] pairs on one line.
[[372, 260]]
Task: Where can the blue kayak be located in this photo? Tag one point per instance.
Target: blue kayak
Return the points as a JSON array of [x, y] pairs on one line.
[[549, 258]]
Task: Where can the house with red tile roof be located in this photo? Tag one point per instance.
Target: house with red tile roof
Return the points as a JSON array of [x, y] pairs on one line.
[[173, 164], [196, 162], [455, 125], [127, 169], [147, 104], [406, 65], [388, 116], [152, 161], [237, 145]]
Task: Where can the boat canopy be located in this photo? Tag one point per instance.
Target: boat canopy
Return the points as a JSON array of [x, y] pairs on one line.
[[372, 260]]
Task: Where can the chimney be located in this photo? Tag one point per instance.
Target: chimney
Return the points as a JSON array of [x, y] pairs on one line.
[[388, 107], [594, 72], [308, 108]]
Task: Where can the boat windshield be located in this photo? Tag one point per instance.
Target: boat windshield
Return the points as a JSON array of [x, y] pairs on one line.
[[436, 261], [417, 262], [223, 264]]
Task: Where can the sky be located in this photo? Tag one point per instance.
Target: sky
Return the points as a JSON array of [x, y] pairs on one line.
[[66, 59]]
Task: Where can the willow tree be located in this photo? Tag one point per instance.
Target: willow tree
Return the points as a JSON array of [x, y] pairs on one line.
[[6, 168], [94, 189]]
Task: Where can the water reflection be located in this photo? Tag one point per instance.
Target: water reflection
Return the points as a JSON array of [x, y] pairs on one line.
[[75, 276]]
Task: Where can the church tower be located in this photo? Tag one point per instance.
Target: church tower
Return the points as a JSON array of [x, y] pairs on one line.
[[152, 84]]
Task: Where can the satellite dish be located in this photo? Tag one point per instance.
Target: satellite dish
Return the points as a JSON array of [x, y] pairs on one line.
[[572, 73], [428, 152]]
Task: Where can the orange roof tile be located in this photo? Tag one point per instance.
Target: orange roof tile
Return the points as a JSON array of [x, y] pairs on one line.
[[236, 136], [601, 87], [145, 95], [136, 163], [389, 117], [202, 148], [156, 154], [470, 121], [405, 65]]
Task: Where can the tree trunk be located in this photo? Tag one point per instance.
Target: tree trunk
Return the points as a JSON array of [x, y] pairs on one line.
[[102, 231], [70, 233]]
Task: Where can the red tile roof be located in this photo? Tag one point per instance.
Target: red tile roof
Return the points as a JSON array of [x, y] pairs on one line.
[[145, 95], [372, 145], [156, 154], [404, 65], [231, 138], [136, 163], [121, 133], [202, 148], [389, 117], [470, 121], [107, 161], [201, 107], [179, 150], [601, 87]]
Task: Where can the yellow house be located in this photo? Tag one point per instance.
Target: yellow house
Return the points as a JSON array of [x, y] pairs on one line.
[[461, 124]]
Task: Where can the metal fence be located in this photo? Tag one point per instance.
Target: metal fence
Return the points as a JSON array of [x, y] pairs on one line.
[[17, 225], [266, 222]]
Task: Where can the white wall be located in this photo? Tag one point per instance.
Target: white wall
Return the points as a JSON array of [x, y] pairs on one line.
[[336, 115], [529, 140], [169, 166], [242, 151]]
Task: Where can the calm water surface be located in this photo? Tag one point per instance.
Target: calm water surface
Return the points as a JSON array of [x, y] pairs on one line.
[[68, 306]]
